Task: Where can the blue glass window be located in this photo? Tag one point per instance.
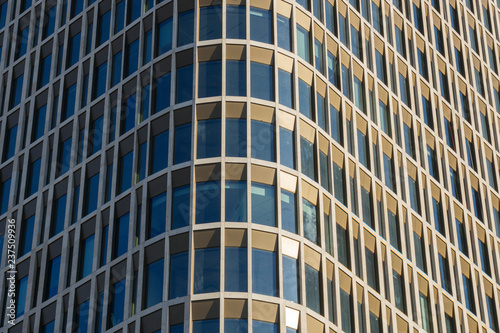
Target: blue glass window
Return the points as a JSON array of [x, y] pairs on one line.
[[208, 202], [262, 81], [159, 151], [69, 102], [178, 275], [9, 146], [180, 206], [291, 278], [103, 27], [209, 78], [422, 64], [346, 82], [52, 278], [131, 58], [344, 37], [100, 79], [17, 91], [390, 176], [264, 272], [262, 140], [157, 215], [263, 204], [116, 303], [38, 123], [161, 93], [73, 50], [283, 26], [313, 289], [235, 326], [164, 37], [44, 70], [116, 70], [414, 194], [206, 326], [182, 143], [147, 46], [127, 120], [210, 22], [236, 132], [236, 78], [153, 283], [82, 317], [184, 84], [303, 43], [4, 195], [336, 124], [206, 270], [26, 240], [120, 239], [305, 99], [236, 269], [287, 151], [236, 201], [22, 290], [462, 238], [288, 211], [381, 69], [86, 256], [33, 179], [359, 94], [22, 43], [307, 158], [261, 26], [236, 22], [124, 180], [285, 82], [357, 48], [90, 197], [185, 29], [310, 220]]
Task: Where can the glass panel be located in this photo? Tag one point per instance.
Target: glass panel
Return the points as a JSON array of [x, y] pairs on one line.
[[310, 220], [182, 143], [236, 201], [180, 207], [236, 269], [236, 78], [185, 28], [206, 270], [210, 22], [157, 215], [262, 140], [236, 137], [235, 22], [261, 26], [264, 272], [262, 81], [159, 151], [209, 138], [208, 202], [153, 283], [288, 212], [263, 204], [209, 79]]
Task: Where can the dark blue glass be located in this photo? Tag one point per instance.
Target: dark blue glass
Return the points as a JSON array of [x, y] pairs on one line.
[[206, 270], [209, 78], [161, 93], [182, 143], [305, 99], [73, 50], [76, 7], [262, 140], [283, 26], [58, 215], [17, 91], [49, 327], [235, 22], [22, 290], [147, 46], [178, 275], [52, 278], [185, 29], [285, 83], [177, 328], [124, 173], [96, 135], [321, 109], [209, 138], [120, 16], [261, 25], [120, 239], [82, 317], [290, 279], [157, 215], [236, 201], [313, 289], [262, 81], [208, 202], [116, 70], [159, 152], [236, 137], [307, 158], [310, 220], [39, 123], [103, 27], [181, 206], [264, 327], [64, 157], [3, 14], [235, 326], [100, 80], [236, 78], [22, 43], [33, 177], [44, 71], [206, 326], [263, 204], [4, 196], [90, 197], [236, 269], [87, 256], [184, 84], [164, 37], [69, 102], [153, 283], [210, 22], [132, 58], [116, 303], [127, 121], [134, 10], [264, 272], [26, 240], [9, 147]]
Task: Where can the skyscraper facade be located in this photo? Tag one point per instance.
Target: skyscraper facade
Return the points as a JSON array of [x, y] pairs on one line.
[[250, 166]]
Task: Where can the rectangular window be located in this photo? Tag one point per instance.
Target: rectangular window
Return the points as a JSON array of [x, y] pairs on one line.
[[4, 196], [288, 211], [454, 19], [131, 57], [262, 135], [44, 70], [120, 239], [185, 28], [153, 283], [343, 247], [285, 88], [116, 70], [385, 120], [236, 270], [206, 270], [324, 170], [359, 94], [414, 194], [347, 311], [116, 303], [90, 197], [261, 25], [333, 70], [52, 278], [33, 177], [310, 220], [291, 279], [161, 93], [103, 26], [236, 78], [180, 206], [124, 180], [100, 80], [394, 232], [209, 78], [427, 111], [390, 175], [462, 238], [38, 129], [208, 201], [346, 82], [236, 201], [344, 34], [178, 275], [473, 39], [184, 91], [283, 27], [235, 22], [307, 157], [339, 183], [264, 273], [476, 199], [210, 22], [404, 90], [164, 37], [313, 289], [303, 43], [381, 68], [319, 56], [157, 214], [236, 128], [73, 55], [263, 204], [422, 64], [16, 91], [432, 163], [400, 41], [86, 257], [209, 138], [469, 294], [182, 143]]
